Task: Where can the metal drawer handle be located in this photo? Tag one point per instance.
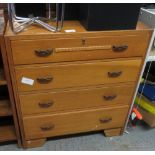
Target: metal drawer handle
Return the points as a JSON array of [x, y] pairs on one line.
[[44, 80], [109, 98], [45, 105], [119, 48], [114, 74], [106, 120], [43, 53], [47, 127]]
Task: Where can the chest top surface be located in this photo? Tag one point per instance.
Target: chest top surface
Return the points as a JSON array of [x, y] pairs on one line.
[[37, 32]]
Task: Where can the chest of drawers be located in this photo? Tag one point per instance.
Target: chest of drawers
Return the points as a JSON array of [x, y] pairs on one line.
[[67, 83]]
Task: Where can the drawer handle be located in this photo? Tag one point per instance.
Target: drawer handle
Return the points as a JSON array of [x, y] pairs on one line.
[[45, 105], [44, 80], [109, 98], [119, 48], [87, 48], [106, 120], [43, 53], [114, 74], [47, 127]]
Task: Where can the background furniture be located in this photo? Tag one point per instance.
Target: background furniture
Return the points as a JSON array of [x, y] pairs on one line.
[[145, 105], [9, 130]]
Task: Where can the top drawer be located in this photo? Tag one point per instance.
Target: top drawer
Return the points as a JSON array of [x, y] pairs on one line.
[[72, 49]]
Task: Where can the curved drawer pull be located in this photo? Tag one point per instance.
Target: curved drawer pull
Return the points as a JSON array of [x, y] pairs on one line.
[[45, 105], [119, 48], [43, 53], [44, 80], [47, 127], [114, 74], [106, 120], [109, 98]]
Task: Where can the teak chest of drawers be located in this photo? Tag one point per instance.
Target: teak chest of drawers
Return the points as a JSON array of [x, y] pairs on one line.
[[67, 83]]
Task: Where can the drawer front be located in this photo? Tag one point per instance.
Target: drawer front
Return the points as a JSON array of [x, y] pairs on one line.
[[58, 50], [76, 99], [76, 75], [74, 122]]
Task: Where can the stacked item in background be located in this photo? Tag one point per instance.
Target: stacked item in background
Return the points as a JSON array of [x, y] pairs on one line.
[[146, 96], [7, 129]]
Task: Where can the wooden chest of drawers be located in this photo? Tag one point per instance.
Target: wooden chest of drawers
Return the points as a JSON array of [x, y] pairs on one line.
[[67, 83]]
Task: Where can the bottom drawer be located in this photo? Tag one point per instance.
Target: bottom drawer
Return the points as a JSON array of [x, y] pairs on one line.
[[74, 122]]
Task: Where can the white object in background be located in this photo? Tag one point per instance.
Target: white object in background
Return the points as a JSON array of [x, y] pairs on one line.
[[69, 31], [147, 16], [141, 74], [151, 56]]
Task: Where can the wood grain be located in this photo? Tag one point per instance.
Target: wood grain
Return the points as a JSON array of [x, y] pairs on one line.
[[7, 133], [5, 108], [73, 122], [34, 143], [112, 132], [72, 49], [77, 65], [5, 58], [37, 32], [78, 74], [2, 78], [56, 101]]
